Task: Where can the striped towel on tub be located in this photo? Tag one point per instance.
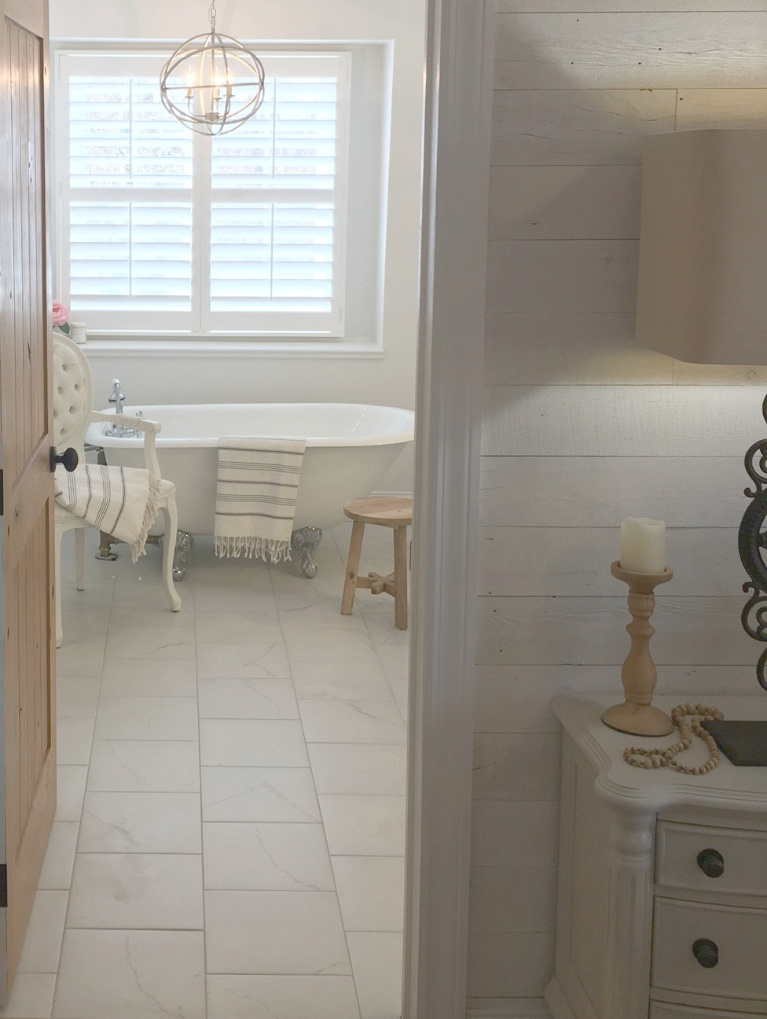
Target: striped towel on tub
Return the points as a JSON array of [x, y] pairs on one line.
[[256, 491]]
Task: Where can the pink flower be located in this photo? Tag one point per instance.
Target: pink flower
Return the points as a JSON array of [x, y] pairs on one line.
[[60, 313]]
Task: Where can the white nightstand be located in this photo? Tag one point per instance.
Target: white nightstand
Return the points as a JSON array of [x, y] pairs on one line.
[[662, 903]]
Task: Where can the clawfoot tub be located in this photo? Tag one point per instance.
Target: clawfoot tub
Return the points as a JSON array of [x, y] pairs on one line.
[[349, 448]]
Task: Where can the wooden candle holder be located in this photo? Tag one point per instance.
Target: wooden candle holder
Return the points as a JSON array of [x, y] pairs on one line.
[[639, 675]]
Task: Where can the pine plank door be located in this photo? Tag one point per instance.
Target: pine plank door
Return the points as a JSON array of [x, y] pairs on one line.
[[27, 664]]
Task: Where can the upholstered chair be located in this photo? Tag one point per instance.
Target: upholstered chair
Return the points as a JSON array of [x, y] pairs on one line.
[[72, 413]]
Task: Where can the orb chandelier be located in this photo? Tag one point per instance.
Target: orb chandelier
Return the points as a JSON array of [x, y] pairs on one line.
[[212, 83]]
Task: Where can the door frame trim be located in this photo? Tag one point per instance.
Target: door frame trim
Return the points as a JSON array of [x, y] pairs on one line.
[[447, 452]]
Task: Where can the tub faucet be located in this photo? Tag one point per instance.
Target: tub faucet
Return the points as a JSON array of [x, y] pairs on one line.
[[117, 397]]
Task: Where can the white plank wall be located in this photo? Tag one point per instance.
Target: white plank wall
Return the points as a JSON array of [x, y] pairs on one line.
[[606, 421], [628, 50], [582, 428], [575, 562], [557, 491], [592, 128]]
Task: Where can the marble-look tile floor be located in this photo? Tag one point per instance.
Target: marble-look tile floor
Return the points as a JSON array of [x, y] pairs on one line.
[[229, 840]]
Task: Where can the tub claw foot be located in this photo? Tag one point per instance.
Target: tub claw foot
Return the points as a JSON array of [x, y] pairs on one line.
[[184, 544], [105, 547], [305, 541]]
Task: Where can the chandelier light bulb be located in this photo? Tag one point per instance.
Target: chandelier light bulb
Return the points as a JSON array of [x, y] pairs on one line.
[[212, 83]]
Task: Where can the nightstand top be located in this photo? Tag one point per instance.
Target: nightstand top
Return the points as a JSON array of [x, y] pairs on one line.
[[727, 787]]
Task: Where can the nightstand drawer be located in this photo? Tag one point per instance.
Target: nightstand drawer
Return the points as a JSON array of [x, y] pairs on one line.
[[722, 860], [703, 949]]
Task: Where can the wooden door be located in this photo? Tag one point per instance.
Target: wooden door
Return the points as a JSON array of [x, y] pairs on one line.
[[28, 703]]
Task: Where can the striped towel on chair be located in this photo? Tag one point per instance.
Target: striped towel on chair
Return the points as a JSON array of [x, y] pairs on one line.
[[121, 501], [256, 495]]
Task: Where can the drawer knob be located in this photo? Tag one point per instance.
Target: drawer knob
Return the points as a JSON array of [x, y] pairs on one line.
[[711, 862], [706, 952]]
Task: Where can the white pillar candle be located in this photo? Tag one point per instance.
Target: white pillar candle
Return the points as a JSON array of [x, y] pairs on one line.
[[643, 545]]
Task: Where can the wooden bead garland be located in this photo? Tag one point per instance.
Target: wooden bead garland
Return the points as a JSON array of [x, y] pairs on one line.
[[641, 757]]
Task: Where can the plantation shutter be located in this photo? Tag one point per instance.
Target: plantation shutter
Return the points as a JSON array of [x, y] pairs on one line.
[[276, 192], [168, 230]]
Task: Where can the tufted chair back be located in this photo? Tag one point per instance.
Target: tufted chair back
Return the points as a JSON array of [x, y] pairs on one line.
[[72, 394]]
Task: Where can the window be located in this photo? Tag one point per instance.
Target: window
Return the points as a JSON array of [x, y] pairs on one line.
[[164, 230]]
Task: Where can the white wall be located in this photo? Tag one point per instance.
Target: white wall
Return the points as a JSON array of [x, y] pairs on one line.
[[581, 428], [241, 377]]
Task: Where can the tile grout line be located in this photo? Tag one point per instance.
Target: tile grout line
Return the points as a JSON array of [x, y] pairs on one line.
[[202, 827], [319, 808], [85, 791]]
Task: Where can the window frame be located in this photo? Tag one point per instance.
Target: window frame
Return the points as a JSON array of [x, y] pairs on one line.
[[291, 329]]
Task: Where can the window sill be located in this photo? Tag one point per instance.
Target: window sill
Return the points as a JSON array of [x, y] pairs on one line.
[[100, 345]]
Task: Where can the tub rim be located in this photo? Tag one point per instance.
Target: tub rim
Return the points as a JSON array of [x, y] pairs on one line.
[[94, 434]]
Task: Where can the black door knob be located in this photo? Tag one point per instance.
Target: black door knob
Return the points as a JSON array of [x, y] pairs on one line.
[[68, 458], [711, 862], [706, 952]]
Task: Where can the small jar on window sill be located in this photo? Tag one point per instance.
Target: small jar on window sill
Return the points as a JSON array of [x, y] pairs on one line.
[[77, 332]]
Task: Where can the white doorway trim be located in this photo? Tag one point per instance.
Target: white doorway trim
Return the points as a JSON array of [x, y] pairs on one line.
[[456, 172]]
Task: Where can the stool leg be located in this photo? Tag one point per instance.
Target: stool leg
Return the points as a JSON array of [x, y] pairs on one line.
[[400, 578], [352, 567]]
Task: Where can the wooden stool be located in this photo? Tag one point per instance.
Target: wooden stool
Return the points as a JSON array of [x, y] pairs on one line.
[[387, 512]]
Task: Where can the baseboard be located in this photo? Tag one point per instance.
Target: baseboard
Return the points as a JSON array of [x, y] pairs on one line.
[[507, 1008]]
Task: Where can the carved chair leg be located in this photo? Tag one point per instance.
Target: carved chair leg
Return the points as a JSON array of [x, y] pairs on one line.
[[170, 513]]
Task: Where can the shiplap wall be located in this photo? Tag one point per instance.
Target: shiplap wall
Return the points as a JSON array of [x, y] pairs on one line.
[[582, 428]]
